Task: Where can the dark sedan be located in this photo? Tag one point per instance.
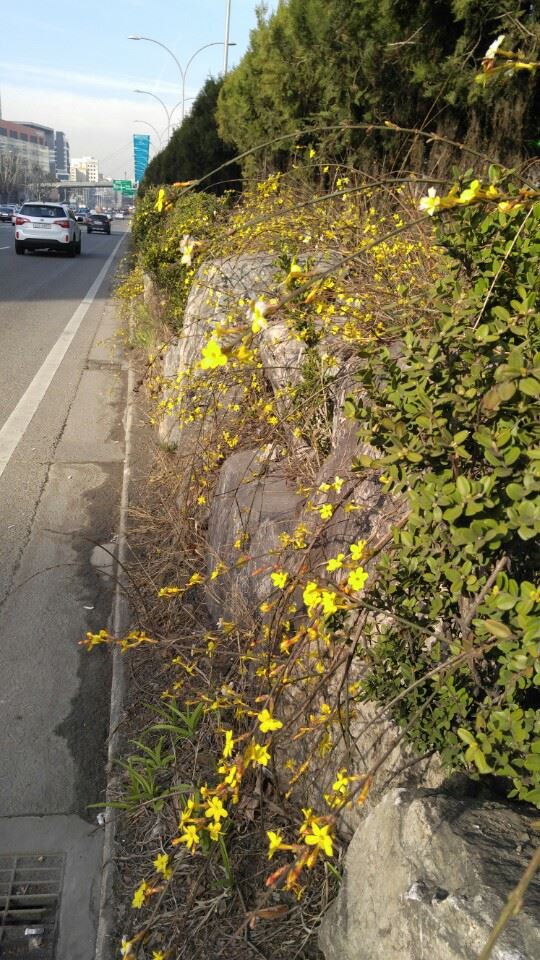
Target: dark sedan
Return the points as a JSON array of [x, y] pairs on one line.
[[5, 214], [98, 222]]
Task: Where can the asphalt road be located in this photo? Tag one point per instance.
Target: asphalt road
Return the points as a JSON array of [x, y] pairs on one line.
[[62, 401]]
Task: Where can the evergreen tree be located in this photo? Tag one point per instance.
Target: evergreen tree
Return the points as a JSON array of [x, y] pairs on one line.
[[195, 148]]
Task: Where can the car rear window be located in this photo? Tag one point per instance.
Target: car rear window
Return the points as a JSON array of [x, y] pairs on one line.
[[41, 210]]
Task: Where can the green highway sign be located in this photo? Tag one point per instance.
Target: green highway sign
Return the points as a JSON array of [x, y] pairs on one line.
[[126, 186]]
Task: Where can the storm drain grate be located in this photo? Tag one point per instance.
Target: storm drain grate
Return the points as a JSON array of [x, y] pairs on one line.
[[30, 887]]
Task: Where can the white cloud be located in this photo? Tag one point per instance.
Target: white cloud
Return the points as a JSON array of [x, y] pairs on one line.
[[94, 126], [58, 79]]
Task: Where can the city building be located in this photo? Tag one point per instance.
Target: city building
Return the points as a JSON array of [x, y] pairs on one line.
[[61, 145], [84, 168], [25, 143], [141, 153], [48, 135]]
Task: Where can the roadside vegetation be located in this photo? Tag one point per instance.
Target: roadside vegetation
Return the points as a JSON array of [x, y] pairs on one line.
[[412, 303]]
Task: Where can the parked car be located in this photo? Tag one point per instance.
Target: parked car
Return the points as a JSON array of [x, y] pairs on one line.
[[47, 226], [5, 214], [99, 222]]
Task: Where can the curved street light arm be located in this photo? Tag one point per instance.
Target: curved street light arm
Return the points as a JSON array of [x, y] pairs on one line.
[[183, 71], [160, 44], [149, 93]]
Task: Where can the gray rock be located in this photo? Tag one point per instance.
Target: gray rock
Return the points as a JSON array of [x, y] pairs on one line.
[[426, 878], [253, 499], [282, 356], [214, 295]]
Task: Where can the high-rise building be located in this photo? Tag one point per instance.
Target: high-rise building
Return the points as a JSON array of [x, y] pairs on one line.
[[48, 135], [26, 143], [61, 145], [141, 153], [84, 168]]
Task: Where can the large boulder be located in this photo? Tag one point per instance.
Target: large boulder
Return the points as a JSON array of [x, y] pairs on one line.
[[427, 876], [213, 299], [253, 503]]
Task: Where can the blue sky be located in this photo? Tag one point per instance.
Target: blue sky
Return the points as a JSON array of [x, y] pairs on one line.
[[70, 66]]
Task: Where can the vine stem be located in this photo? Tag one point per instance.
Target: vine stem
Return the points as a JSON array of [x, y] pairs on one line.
[[513, 904]]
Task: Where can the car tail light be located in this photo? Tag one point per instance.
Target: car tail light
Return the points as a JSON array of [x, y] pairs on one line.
[[62, 223], [21, 220]]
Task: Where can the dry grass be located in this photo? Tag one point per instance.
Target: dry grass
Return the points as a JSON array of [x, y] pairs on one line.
[[211, 907]]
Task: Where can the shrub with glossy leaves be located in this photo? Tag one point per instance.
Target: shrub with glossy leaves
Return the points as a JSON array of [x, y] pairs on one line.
[[456, 420]]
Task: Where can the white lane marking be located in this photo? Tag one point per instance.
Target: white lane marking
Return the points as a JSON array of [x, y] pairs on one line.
[[4, 248], [18, 421]]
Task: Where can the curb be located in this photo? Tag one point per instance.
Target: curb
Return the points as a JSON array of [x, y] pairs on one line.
[[120, 623]]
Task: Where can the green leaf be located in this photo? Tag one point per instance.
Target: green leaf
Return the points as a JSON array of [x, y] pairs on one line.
[[515, 491], [529, 386], [499, 630]]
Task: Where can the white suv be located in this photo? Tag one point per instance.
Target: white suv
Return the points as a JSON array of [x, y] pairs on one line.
[[47, 226]]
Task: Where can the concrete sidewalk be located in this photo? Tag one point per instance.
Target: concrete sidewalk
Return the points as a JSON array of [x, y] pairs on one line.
[[54, 695]]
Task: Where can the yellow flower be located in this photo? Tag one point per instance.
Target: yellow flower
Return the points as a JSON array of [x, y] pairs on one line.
[[126, 949], [326, 511], [187, 812], [329, 604], [341, 783], [337, 484], [186, 246], [190, 837], [214, 829], [161, 864], [158, 955], [169, 591], [279, 578], [201, 499], [194, 579], [259, 754], [275, 844], [311, 595], [470, 193], [295, 271], [229, 744], [357, 578], [256, 315], [160, 200], [232, 775], [215, 810], [267, 722], [212, 356], [335, 563], [320, 838], [243, 354], [93, 639], [431, 203], [140, 895], [357, 549], [218, 570]]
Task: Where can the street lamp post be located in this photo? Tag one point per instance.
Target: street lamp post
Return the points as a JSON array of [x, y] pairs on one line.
[[226, 43], [148, 93], [183, 70]]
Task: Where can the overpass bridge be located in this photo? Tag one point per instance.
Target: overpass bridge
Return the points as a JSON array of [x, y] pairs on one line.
[[78, 185]]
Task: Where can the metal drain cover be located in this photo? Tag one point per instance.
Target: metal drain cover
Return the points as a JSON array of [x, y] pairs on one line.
[[30, 886]]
